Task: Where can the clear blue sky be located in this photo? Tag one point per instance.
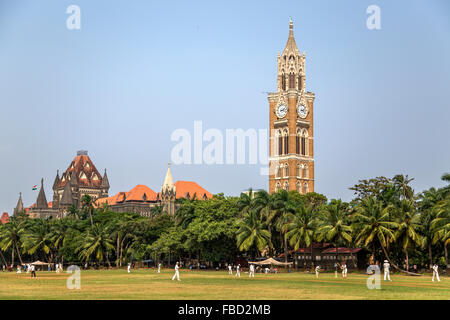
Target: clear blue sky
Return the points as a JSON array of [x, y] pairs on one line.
[[138, 70]]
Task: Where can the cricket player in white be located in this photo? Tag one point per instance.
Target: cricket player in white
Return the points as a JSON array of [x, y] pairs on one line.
[[230, 269], [252, 271], [238, 271], [435, 273], [317, 271], [344, 270], [177, 273], [387, 273], [159, 267], [129, 267]]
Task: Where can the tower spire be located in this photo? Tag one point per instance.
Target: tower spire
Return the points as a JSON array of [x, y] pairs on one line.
[[168, 181], [291, 46], [41, 202], [19, 208]]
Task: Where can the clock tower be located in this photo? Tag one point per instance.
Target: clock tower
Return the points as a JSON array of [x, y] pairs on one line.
[[291, 114]]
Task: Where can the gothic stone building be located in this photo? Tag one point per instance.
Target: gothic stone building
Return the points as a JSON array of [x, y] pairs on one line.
[[82, 178], [291, 108]]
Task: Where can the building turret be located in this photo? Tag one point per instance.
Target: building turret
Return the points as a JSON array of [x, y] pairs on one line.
[[19, 208], [168, 193], [41, 202]]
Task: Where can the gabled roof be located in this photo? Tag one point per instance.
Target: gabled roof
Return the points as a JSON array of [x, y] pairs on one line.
[[84, 171], [139, 193], [189, 189], [5, 218]]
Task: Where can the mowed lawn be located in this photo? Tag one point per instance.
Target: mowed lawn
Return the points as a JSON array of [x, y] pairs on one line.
[[216, 285]]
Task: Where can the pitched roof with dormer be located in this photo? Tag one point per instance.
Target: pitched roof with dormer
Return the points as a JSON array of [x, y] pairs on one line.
[[187, 189], [81, 172]]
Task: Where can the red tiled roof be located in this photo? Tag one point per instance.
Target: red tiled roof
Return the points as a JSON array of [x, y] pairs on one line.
[[5, 218], [85, 172], [341, 250], [135, 194], [185, 188]]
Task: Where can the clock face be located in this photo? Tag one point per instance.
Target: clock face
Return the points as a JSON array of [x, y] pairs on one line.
[[302, 111], [281, 111]]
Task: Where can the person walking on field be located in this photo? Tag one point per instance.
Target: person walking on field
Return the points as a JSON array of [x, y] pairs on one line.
[[129, 267], [230, 269], [252, 271], [159, 267], [435, 273], [317, 271], [387, 273], [238, 271], [344, 270], [33, 271], [177, 273]]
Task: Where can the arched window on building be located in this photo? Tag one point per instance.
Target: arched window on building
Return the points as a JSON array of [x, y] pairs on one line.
[[278, 172], [299, 79], [280, 142], [291, 81], [286, 170], [286, 186], [298, 170], [304, 142], [283, 81], [277, 187], [305, 172], [286, 141], [305, 188], [299, 187], [297, 142]]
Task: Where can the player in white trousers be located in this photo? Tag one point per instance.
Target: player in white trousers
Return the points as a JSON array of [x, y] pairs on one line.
[[317, 271], [435, 273], [344, 270], [129, 268], [159, 267], [238, 271], [177, 273], [252, 271], [387, 273], [230, 269]]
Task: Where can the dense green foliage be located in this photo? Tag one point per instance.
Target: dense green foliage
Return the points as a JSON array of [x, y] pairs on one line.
[[386, 217]]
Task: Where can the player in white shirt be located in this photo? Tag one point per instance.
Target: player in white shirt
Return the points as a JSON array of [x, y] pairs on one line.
[[435, 273], [230, 269], [159, 267], [238, 271], [387, 273], [129, 268], [252, 271], [344, 270], [177, 273], [317, 271]]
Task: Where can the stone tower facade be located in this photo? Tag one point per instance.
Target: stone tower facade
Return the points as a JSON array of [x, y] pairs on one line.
[[291, 111]]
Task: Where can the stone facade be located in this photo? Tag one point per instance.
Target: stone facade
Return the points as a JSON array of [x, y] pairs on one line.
[[291, 117]]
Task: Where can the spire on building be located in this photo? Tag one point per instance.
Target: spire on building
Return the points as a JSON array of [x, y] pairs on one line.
[[105, 181], [41, 202], [19, 208], [168, 181], [291, 46], [73, 178], [55, 184], [67, 199]]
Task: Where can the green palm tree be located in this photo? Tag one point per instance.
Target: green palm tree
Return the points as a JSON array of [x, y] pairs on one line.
[[407, 232], [301, 229], [37, 239], [441, 225], [246, 202], [95, 243], [333, 225], [10, 236], [87, 206], [251, 233], [284, 207], [374, 223]]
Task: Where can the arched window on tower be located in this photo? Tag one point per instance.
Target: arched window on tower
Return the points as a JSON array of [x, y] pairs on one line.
[[286, 170], [283, 81], [297, 142], [305, 188], [286, 186], [298, 170], [280, 142], [286, 141], [299, 187], [277, 187], [291, 81], [304, 143], [305, 172], [299, 81]]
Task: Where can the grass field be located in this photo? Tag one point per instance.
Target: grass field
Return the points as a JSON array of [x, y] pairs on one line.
[[216, 285]]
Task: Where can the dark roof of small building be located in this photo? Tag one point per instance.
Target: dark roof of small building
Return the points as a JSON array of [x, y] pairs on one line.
[[341, 250]]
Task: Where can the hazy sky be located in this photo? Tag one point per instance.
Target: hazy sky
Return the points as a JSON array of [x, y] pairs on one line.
[[138, 70]]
